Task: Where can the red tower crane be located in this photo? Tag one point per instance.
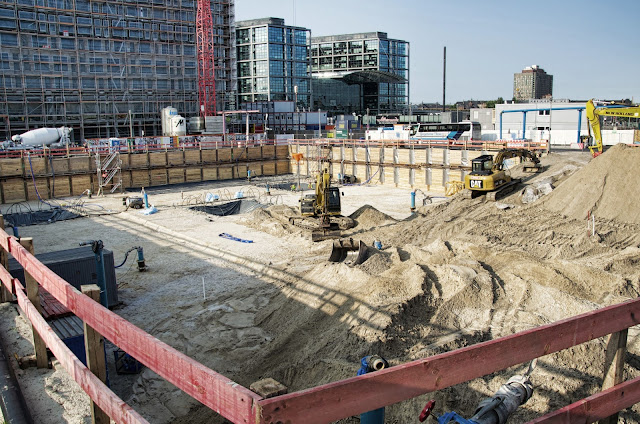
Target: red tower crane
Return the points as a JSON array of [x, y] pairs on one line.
[[206, 56]]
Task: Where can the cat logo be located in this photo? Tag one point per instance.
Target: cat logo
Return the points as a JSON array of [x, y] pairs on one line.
[[475, 183]]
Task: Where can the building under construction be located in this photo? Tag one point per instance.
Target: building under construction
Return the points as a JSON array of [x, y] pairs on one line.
[[108, 68]]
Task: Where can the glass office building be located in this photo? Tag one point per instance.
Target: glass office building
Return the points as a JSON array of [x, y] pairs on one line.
[[86, 64], [353, 73], [273, 62]]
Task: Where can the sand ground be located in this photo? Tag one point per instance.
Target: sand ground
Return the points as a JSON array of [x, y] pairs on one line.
[[456, 273]]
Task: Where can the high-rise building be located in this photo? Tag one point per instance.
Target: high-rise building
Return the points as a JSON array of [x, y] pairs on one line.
[[356, 73], [532, 83], [273, 62], [86, 64]]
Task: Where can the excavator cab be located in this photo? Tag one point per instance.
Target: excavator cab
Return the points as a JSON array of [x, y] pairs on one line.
[[482, 165], [332, 194]]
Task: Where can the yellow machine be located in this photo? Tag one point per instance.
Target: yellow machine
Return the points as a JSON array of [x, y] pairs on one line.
[[488, 175], [593, 115], [320, 211]]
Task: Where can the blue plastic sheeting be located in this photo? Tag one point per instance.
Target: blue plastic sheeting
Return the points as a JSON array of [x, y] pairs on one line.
[[230, 237]]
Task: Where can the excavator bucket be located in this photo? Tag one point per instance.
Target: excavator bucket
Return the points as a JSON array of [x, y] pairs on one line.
[[531, 167], [348, 251]]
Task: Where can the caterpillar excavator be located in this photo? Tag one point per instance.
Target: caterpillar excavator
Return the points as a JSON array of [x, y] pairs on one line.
[[489, 177], [320, 211], [593, 115]]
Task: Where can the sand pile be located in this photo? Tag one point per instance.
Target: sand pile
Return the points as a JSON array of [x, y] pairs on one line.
[[367, 217], [607, 186]]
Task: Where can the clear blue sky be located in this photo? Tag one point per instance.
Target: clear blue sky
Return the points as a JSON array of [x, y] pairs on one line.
[[590, 47]]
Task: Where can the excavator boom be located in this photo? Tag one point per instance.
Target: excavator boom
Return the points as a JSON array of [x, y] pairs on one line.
[[593, 116]]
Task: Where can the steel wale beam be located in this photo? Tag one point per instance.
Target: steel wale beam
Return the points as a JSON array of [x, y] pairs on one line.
[[214, 390], [356, 395]]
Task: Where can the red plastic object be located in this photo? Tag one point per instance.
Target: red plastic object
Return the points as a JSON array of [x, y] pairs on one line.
[[427, 410]]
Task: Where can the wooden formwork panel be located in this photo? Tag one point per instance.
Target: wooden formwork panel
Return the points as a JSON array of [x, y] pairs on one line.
[[420, 156], [437, 156], [437, 178], [192, 157], [39, 166], [158, 159], [126, 179], [240, 171], [254, 153], [158, 177], [455, 157], [193, 174], [176, 176], [282, 152], [403, 178], [269, 168], [374, 154], [388, 155], [13, 190], [80, 183], [361, 173], [361, 154], [209, 174], [175, 158], [61, 187], [43, 189], [80, 164], [225, 173], [60, 165], [388, 176], [224, 155], [256, 169], [139, 178], [138, 160], [283, 167], [238, 153], [269, 152], [209, 156], [9, 167]]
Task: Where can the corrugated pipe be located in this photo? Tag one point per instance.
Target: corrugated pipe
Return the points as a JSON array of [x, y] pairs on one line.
[[14, 408]]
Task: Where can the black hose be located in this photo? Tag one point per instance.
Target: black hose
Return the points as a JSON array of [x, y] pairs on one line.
[[14, 407], [126, 255]]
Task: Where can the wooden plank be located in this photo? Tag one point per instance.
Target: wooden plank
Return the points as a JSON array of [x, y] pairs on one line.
[[13, 190], [283, 167], [225, 173], [42, 189], [60, 165], [596, 407], [32, 287], [138, 160], [209, 156], [105, 398], [80, 164], [39, 165], [333, 401], [193, 174], [94, 348], [240, 171], [11, 167], [282, 151], [214, 390], [6, 291], [158, 177], [269, 168], [126, 179], [158, 159], [224, 155], [80, 183], [269, 152], [192, 157], [614, 366], [61, 186], [209, 174], [139, 178], [175, 158], [256, 169], [254, 153], [176, 176]]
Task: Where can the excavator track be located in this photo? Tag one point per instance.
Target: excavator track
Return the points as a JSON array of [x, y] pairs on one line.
[[508, 188]]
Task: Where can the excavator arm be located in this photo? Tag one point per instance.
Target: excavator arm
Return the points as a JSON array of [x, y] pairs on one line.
[[593, 116], [513, 153]]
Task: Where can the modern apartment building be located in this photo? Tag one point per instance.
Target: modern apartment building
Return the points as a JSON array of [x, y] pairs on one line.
[[86, 64], [532, 83], [273, 62], [364, 73]]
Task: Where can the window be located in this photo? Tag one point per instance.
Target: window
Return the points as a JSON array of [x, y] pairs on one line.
[[355, 47], [275, 35], [300, 37], [261, 69], [276, 51], [260, 51], [260, 35], [242, 36], [262, 84], [276, 68]]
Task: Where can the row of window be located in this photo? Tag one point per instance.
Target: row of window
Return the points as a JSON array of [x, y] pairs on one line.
[[272, 35], [273, 51], [264, 85], [247, 98], [273, 67], [87, 6], [37, 82], [359, 47]]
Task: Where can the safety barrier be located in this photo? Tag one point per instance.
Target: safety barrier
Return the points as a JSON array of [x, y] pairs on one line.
[[335, 400]]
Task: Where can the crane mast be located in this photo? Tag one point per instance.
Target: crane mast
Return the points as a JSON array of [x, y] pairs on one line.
[[206, 59]]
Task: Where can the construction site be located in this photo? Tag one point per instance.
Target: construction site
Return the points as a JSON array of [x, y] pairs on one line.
[[250, 269]]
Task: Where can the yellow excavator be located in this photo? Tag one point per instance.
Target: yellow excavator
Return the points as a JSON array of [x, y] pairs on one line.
[[489, 177], [320, 211], [593, 115]]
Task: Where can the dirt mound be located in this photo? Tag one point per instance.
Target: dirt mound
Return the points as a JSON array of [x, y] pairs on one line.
[[606, 187], [367, 216]]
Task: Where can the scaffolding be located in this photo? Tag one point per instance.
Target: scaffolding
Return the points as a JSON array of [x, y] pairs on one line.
[[86, 64], [109, 167]]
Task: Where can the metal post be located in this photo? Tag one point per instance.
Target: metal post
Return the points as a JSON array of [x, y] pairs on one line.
[[579, 124], [500, 125], [524, 124]]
